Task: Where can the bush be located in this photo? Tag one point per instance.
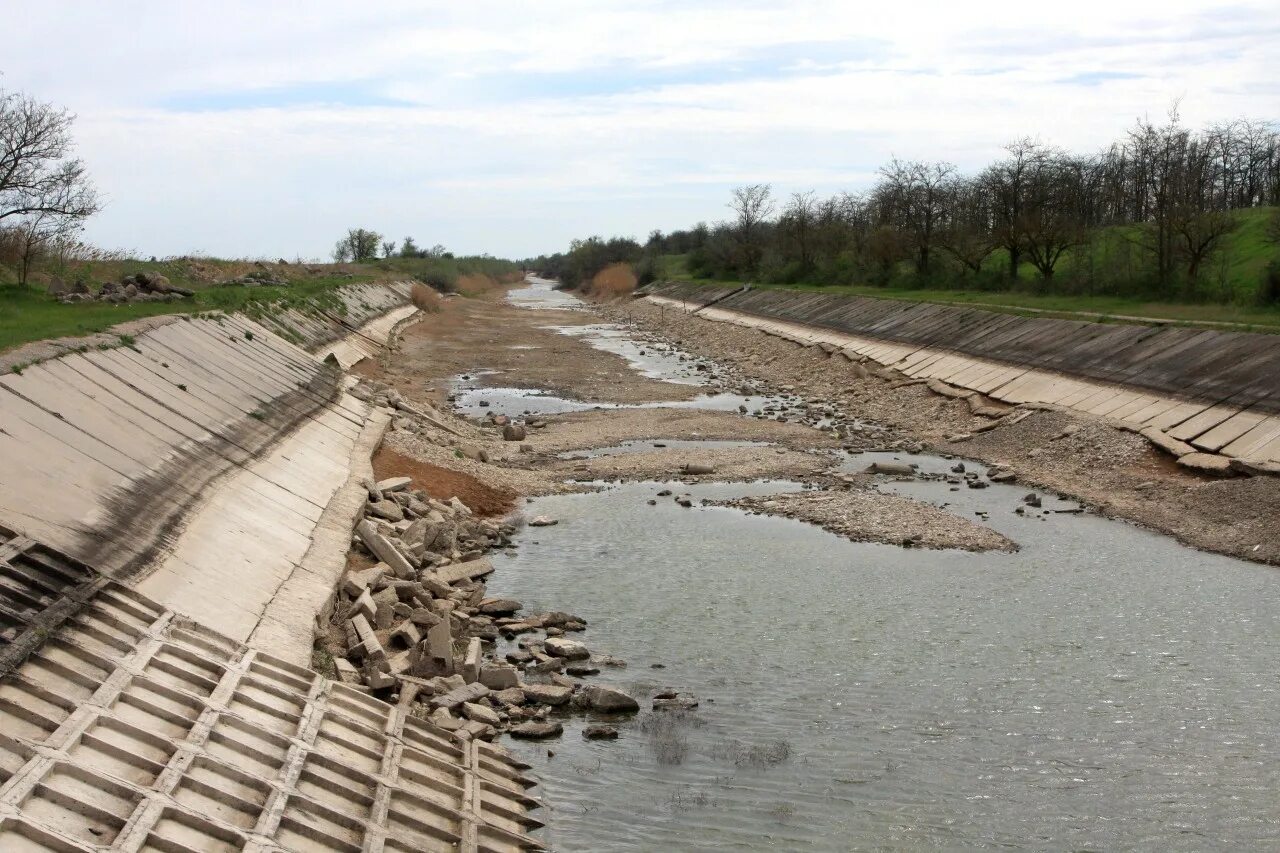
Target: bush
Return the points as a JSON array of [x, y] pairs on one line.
[[426, 300], [439, 280]]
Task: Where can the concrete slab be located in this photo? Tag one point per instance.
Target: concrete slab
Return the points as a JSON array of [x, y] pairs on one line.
[[176, 738]]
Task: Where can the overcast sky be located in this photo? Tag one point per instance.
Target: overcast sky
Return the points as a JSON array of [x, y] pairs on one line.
[[264, 129]]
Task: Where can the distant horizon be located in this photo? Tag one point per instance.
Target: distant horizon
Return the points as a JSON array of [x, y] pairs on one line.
[[247, 132]]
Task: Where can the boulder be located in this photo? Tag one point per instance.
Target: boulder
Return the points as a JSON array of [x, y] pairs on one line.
[[499, 676], [606, 700], [514, 432], [536, 730], [696, 468], [499, 606], [387, 509], [481, 713], [547, 694], [600, 733], [394, 484], [900, 469], [567, 649], [543, 521]]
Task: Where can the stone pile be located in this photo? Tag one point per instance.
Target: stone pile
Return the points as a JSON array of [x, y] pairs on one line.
[[420, 627], [263, 276], [139, 287]]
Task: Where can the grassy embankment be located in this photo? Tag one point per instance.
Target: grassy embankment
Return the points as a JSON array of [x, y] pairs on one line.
[[30, 314], [1227, 293]]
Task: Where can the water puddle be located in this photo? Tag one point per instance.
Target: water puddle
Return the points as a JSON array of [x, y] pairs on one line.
[[652, 360], [517, 402], [650, 446], [1103, 688], [541, 294]]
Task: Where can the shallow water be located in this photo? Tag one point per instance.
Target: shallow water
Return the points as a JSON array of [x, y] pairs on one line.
[[1103, 688], [647, 359], [652, 445], [515, 402]]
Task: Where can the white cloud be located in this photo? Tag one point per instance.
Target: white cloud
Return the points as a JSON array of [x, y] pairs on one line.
[[527, 124]]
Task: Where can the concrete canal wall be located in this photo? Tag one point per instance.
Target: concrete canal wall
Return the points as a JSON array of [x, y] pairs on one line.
[[198, 459], [1211, 398]]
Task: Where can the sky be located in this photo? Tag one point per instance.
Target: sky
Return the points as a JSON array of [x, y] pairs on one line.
[[255, 129]]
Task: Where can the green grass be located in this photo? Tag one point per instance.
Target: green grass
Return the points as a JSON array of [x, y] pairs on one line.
[[29, 314]]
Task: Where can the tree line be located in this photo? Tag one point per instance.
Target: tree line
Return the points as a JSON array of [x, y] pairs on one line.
[[1146, 214]]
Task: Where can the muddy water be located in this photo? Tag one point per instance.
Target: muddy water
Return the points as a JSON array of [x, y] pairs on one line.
[[1102, 688]]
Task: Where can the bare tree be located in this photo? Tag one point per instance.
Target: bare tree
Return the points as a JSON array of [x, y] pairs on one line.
[[37, 235], [752, 206], [38, 175], [1199, 234], [967, 234], [798, 223], [913, 195], [388, 248], [1051, 223]]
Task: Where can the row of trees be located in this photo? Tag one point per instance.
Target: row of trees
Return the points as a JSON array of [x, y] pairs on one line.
[[359, 245], [45, 192], [1169, 191]]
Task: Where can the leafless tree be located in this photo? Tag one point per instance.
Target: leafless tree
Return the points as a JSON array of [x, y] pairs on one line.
[[798, 222], [967, 234], [1198, 234], [752, 206], [38, 175], [912, 194], [388, 248]]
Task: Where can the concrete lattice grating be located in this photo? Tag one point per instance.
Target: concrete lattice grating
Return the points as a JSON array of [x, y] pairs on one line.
[[132, 729]]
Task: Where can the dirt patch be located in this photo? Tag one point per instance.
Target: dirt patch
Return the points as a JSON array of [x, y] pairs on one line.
[[443, 484]]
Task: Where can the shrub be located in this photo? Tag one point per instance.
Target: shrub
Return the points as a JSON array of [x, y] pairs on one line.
[[426, 300]]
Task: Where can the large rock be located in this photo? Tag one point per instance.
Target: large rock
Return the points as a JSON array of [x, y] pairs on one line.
[[481, 713], [567, 649], [547, 694], [536, 730], [390, 510], [499, 606], [514, 432], [394, 484], [900, 469], [499, 676], [606, 700], [431, 534]]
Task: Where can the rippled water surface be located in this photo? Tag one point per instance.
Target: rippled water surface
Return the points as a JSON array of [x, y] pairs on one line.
[[1103, 688]]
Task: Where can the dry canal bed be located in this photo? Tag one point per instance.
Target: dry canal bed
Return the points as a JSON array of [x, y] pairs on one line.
[[1100, 687]]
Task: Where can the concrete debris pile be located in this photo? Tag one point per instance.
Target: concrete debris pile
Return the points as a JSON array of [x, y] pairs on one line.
[[411, 417], [139, 287], [420, 628]]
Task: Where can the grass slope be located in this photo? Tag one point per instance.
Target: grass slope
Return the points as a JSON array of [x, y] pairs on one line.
[[30, 314]]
